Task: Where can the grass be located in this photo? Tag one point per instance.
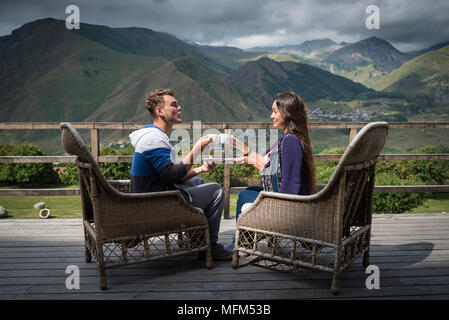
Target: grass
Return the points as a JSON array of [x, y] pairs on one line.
[[232, 205], [69, 207], [437, 203], [62, 207], [47, 186]]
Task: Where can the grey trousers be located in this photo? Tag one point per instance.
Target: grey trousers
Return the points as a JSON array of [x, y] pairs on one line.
[[209, 197]]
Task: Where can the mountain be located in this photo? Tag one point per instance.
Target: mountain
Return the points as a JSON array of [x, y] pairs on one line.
[[231, 57], [315, 45], [309, 49], [365, 61], [146, 42], [201, 94], [49, 73], [431, 48], [374, 51], [427, 74], [265, 78], [97, 73]]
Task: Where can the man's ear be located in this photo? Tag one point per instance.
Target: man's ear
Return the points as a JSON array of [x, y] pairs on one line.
[[158, 112]]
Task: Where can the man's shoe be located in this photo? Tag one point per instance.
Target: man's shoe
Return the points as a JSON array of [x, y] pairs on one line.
[[218, 253]]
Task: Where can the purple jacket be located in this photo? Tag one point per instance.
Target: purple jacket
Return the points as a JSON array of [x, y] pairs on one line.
[[288, 177]]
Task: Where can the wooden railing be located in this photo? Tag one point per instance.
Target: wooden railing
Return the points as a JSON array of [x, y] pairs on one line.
[[226, 127]]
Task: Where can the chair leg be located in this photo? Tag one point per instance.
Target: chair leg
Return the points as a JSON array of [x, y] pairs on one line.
[[335, 283], [87, 255], [209, 264], [366, 260], [103, 281], [235, 259], [235, 255]]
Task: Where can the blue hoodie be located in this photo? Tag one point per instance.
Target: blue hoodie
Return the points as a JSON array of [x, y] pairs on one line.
[[153, 167]]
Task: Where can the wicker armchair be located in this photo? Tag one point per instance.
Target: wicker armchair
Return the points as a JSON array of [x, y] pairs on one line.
[[122, 228], [327, 230]]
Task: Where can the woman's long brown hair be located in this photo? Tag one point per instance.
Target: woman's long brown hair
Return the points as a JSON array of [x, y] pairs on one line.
[[294, 111]]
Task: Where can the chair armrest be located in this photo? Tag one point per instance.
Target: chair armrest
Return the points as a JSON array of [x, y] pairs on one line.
[[121, 185]]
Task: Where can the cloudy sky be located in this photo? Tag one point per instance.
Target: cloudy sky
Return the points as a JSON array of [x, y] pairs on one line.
[[407, 24]]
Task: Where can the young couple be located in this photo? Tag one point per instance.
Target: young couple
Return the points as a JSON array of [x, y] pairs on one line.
[[286, 167]]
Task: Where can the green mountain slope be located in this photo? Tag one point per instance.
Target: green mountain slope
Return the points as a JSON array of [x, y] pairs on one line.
[[201, 94], [264, 78], [231, 57], [312, 50], [146, 42], [427, 74], [53, 74], [98, 73]]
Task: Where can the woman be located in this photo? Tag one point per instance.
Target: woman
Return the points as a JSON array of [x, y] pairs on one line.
[[287, 166]]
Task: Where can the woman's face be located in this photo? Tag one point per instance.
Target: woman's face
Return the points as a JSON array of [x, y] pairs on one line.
[[278, 120]]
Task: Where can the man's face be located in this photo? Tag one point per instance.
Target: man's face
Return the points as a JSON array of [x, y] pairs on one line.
[[171, 111]]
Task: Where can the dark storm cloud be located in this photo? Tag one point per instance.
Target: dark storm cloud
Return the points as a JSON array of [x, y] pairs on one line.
[[248, 23]]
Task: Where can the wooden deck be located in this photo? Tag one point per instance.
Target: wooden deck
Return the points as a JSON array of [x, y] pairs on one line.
[[411, 251]]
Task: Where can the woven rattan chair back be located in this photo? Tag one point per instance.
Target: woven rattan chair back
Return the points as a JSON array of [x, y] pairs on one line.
[[74, 144], [357, 169], [362, 151]]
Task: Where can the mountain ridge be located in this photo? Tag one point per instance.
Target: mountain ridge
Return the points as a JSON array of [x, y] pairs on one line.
[[426, 74], [266, 77]]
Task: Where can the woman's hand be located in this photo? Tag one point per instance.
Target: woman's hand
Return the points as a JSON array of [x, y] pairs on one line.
[[236, 143]]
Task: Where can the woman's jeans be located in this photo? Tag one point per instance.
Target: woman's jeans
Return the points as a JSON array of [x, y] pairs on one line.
[[248, 195]]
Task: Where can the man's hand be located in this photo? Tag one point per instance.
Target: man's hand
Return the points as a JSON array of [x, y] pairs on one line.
[[189, 160], [207, 166], [202, 143]]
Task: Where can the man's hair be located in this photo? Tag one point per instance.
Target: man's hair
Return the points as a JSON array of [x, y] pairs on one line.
[[156, 99]]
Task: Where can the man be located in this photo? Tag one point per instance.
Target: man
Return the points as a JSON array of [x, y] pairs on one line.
[[154, 168]]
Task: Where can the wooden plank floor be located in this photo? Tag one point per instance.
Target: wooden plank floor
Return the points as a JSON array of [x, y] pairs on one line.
[[411, 251]]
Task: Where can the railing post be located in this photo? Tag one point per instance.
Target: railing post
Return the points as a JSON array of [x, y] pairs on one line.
[[227, 189], [95, 142], [352, 133], [227, 185]]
